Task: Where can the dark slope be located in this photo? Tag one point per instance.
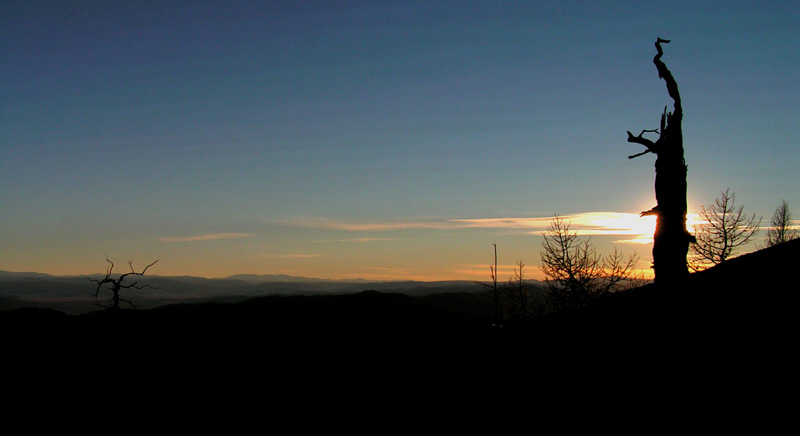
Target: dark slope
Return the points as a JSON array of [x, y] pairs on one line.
[[745, 304], [260, 326]]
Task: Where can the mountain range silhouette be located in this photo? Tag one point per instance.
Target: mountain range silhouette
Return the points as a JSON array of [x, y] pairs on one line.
[[743, 307]]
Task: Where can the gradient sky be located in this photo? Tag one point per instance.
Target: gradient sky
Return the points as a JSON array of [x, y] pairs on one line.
[[373, 139]]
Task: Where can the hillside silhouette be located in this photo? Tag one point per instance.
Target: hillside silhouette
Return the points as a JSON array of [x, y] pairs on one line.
[[743, 305]]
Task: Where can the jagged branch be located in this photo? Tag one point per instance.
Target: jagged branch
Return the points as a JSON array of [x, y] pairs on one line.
[[111, 303], [640, 139], [725, 229], [117, 284], [617, 270], [672, 89], [129, 302], [133, 272], [651, 212], [106, 279], [664, 73]]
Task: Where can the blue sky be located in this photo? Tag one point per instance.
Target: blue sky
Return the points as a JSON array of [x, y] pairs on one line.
[[372, 139]]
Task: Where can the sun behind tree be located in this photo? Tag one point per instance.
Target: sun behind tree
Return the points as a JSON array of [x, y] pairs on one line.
[[671, 239]]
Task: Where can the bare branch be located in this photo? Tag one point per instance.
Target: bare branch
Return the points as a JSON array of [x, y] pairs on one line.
[[642, 140], [639, 154], [618, 270], [651, 146], [664, 73], [129, 302], [725, 230], [651, 212], [117, 284], [781, 229], [148, 266], [493, 291], [146, 287], [574, 273]]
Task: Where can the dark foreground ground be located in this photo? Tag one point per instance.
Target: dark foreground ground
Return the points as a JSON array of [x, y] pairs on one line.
[[739, 316]]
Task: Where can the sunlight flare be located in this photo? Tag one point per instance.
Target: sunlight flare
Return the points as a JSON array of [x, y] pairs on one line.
[[636, 229], [612, 223]]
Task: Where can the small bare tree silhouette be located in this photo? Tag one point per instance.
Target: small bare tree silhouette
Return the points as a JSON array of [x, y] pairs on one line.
[[494, 291], [726, 229], [781, 229], [575, 273], [521, 302], [116, 284]]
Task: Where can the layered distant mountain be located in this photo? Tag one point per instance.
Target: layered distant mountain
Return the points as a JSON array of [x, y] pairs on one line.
[[745, 306], [264, 278], [75, 294]]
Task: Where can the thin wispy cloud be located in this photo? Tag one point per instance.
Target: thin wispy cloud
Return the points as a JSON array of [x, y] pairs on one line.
[[611, 224], [354, 240], [206, 237], [482, 271], [388, 269], [639, 229], [585, 224], [387, 226], [296, 256], [503, 223], [377, 226], [637, 240]]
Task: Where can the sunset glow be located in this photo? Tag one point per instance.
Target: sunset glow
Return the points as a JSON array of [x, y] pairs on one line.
[[637, 229], [376, 140]]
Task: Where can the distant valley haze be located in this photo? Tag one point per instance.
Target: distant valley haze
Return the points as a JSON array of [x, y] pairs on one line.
[[75, 294]]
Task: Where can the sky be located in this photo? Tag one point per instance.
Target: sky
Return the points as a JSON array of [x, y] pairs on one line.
[[384, 140]]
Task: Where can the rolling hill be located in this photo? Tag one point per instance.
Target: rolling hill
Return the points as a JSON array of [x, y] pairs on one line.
[[74, 294], [743, 307]]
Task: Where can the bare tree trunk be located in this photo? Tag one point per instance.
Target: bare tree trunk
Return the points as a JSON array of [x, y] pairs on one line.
[[671, 239], [115, 290]]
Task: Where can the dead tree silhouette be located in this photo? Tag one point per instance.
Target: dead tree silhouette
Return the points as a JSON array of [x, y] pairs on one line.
[[671, 239], [493, 291], [116, 284]]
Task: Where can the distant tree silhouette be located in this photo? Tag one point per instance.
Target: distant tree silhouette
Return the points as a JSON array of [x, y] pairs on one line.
[[575, 273], [725, 230], [494, 291], [671, 239], [115, 285], [519, 299], [781, 229]]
